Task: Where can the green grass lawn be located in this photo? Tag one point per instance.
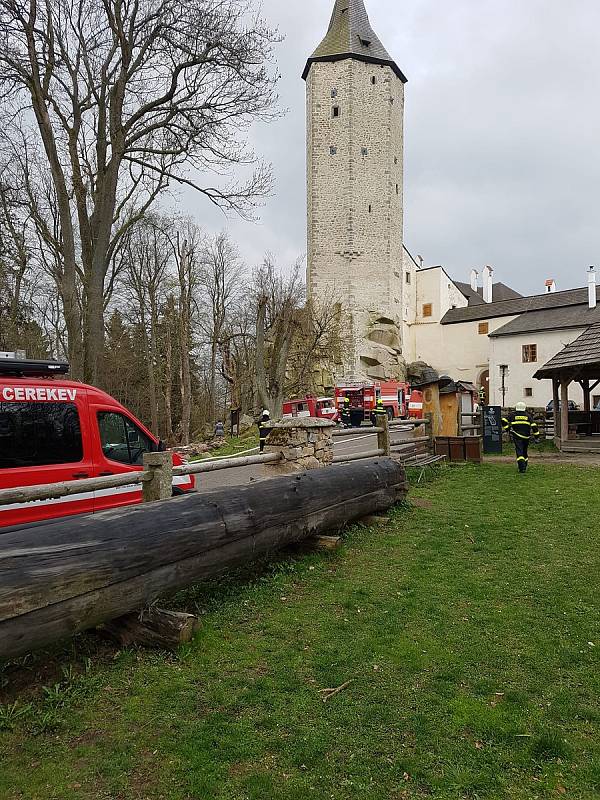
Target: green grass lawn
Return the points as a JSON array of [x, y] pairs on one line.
[[469, 630]]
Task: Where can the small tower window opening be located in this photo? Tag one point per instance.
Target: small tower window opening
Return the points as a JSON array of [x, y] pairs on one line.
[[335, 112], [396, 160], [364, 42], [373, 80], [334, 92], [370, 208], [408, 278], [397, 189], [333, 151], [364, 151]]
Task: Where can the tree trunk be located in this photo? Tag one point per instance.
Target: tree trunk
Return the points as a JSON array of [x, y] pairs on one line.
[[50, 590]]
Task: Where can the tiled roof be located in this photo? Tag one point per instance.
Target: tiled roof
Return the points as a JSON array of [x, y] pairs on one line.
[[521, 305], [350, 36], [579, 316], [500, 292], [579, 356]]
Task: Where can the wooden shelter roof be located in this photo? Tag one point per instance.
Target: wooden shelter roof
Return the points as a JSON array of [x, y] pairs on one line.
[[580, 359]]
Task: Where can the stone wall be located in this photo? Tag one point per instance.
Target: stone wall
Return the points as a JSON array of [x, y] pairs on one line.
[[304, 443], [355, 207]]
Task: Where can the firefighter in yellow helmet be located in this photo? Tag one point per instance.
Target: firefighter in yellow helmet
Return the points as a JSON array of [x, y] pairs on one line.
[[523, 428], [346, 414], [380, 413]]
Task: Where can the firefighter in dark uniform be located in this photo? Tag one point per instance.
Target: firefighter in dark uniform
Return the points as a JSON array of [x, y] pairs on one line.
[[522, 427], [346, 414], [380, 413], [264, 428]]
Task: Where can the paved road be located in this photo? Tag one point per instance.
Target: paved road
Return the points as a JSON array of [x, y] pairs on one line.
[[360, 443]]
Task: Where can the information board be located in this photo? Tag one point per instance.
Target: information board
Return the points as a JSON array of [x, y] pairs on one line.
[[492, 429]]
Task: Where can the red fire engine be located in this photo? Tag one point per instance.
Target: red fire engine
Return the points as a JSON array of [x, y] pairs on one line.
[[59, 430], [399, 400], [310, 406]]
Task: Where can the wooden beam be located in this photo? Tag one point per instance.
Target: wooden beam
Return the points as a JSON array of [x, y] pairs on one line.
[[587, 400], [564, 414], [556, 410], [64, 577]]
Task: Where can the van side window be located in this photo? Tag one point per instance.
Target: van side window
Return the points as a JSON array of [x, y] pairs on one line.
[[39, 435], [121, 440]]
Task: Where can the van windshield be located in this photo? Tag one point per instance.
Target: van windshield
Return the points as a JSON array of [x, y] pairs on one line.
[[39, 434]]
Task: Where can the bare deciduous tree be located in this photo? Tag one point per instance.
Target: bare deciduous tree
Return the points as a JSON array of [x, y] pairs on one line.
[[123, 98]]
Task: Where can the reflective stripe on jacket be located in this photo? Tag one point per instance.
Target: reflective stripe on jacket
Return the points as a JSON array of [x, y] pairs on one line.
[[520, 424]]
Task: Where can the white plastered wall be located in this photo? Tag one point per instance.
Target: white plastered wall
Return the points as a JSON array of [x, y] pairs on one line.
[[509, 350]]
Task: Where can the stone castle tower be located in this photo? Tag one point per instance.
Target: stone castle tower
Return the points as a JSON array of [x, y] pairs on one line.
[[355, 125]]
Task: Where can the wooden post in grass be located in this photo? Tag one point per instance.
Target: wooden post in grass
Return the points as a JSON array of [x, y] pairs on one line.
[[383, 437], [160, 485]]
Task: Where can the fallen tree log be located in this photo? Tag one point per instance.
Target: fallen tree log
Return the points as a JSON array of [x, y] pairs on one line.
[[64, 577]]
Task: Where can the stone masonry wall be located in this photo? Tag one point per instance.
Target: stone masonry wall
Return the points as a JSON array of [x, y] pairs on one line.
[[304, 443], [355, 206]]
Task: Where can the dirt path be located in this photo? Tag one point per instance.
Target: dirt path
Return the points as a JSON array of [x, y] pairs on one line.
[[578, 460]]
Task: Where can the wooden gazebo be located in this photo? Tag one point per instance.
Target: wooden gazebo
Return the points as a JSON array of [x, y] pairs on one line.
[[577, 362]]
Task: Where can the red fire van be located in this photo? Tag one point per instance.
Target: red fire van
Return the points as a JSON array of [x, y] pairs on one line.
[[54, 430]]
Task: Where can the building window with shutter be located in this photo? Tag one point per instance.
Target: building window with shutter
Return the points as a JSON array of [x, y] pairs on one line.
[[484, 328], [530, 354], [427, 310]]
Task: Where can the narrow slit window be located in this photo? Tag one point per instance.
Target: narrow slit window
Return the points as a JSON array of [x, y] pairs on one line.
[[335, 111], [397, 189], [333, 151], [373, 80], [364, 151], [370, 208]]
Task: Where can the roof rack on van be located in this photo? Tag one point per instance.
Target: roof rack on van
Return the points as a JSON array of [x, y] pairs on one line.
[[29, 368]]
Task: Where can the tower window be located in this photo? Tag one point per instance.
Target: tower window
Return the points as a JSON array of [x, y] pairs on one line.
[[370, 208], [335, 111], [397, 189], [396, 160], [408, 277], [373, 80], [427, 310], [364, 42], [333, 151], [364, 151], [334, 92]]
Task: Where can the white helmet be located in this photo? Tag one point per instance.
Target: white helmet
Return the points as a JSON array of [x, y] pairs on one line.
[[521, 407], [266, 413]]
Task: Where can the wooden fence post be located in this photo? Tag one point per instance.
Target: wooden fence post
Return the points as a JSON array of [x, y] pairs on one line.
[[383, 437], [160, 484]]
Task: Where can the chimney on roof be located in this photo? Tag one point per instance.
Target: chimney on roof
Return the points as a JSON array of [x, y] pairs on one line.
[[550, 286], [488, 284], [593, 301], [474, 279]]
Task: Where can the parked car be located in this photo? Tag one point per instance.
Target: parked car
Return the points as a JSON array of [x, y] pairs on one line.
[[54, 430], [572, 406]]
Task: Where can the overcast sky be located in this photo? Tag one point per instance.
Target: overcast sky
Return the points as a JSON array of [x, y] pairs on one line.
[[502, 133]]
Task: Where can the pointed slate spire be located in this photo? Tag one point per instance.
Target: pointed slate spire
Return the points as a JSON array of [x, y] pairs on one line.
[[350, 35]]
